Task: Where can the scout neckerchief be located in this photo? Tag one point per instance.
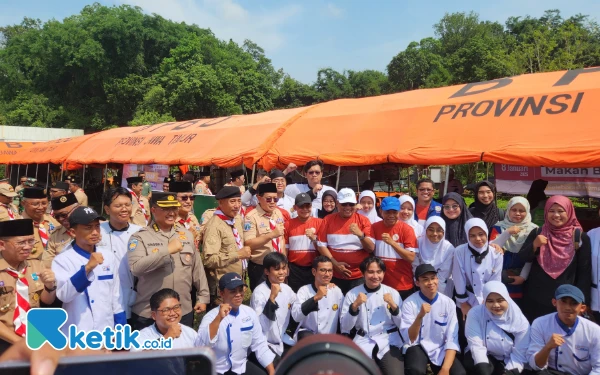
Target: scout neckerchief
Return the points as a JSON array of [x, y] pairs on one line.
[[236, 234], [186, 222], [20, 315], [43, 233], [11, 215], [274, 241], [141, 205]]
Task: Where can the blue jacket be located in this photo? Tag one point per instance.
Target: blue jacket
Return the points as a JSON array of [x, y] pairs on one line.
[[435, 209]]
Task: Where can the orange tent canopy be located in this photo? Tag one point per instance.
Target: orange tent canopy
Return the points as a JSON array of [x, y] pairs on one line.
[[10, 150]]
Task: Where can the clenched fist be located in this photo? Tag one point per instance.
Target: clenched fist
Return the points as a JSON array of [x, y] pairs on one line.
[[355, 230], [425, 309], [360, 299], [224, 310], [539, 241], [387, 297], [48, 279], [174, 246], [275, 289], [95, 260], [555, 341], [385, 237]]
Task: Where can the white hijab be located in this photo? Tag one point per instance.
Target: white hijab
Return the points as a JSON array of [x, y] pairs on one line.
[[515, 242], [512, 320], [434, 253], [418, 228], [372, 214], [472, 223]]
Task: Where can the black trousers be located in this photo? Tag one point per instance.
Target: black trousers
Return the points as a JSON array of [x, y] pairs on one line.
[[392, 362], [251, 369], [299, 276], [416, 360], [494, 367], [345, 285], [4, 345], [139, 322], [597, 317], [404, 294], [256, 274]]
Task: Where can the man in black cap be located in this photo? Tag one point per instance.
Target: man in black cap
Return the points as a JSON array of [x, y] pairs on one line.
[[202, 184], [223, 244], [237, 179], [21, 280], [35, 203], [62, 206], [166, 183], [163, 255], [75, 187], [284, 202], [263, 231], [140, 214], [185, 217], [57, 189]]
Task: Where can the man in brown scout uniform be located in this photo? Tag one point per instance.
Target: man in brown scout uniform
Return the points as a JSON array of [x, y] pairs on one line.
[[75, 187], [185, 217], [60, 238], [237, 179], [8, 211], [223, 245], [35, 203], [166, 183], [140, 213], [263, 231], [202, 184], [58, 189], [23, 283], [162, 255]]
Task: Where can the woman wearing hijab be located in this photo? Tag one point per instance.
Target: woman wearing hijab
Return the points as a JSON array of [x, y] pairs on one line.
[[434, 249], [455, 214], [407, 214], [497, 333], [511, 233], [484, 206], [367, 201], [329, 203], [560, 254]]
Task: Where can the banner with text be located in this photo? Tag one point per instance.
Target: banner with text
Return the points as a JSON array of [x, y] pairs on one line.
[[155, 173]]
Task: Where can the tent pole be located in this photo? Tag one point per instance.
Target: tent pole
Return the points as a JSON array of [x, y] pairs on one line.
[[19, 175], [48, 176], [10, 173], [83, 178], [62, 171], [26, 170], [105, 179], [253, 173], [36, 170], [337, 181], [357, 184], [446, 180]]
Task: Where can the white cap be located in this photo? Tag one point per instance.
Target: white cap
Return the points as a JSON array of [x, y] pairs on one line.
[[346, 196]]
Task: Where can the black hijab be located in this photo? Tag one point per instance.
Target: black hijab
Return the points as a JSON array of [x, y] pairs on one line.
[[487, 213], [322, 213], [536, 193], [455, 228]]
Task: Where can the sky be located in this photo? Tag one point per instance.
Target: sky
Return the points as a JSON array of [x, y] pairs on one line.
[[303, 36]]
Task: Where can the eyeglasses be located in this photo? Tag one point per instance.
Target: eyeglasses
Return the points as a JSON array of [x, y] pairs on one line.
[[451, 207], [185, 198], [38, 204], [326, 270], [168, 310], [348, 204], [312, 173], [271, 200], [64, 215], [24, 243], [425, 190]]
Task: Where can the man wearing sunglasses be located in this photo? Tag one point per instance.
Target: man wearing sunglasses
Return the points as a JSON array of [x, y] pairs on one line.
[[35, 203], [62, 206], [140, 214], [313, 171], [185, 217], [263, 231], [163, 255], [425, 206], [284, 203]]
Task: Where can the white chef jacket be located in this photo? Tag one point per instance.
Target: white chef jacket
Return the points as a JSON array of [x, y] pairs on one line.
[[317, 317], [594, 235], [237, 333], [374, 320], [294, 189], [579, 355], [467, 274], [439, 328], [117, 242], [92, 301], [185, 341], [273, 326]]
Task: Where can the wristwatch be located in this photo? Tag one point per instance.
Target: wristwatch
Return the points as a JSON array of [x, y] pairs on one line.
[[362, 237], [50, 290]]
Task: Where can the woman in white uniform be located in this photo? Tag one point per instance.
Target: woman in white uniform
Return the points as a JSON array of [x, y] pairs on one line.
[[367, 201], [407, 214]]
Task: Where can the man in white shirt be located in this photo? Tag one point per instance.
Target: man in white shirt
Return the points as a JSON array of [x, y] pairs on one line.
[[564, 343], [430, 328], [284, 202], [313, 171]]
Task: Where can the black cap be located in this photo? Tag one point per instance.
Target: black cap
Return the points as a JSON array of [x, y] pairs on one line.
[[276, 173], [14, 228], [423, 269], [83, 215], [204, 173], [75, 180], [302, 199], [135, 180], [167, 180], [164, 199], [34, 193], [267, 187], [180, 187], [228, 192], [230, 280], [61, 202], [60, 185], [236, 174]]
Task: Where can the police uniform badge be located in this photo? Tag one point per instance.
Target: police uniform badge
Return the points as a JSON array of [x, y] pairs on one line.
[[155, 250], [170, 198], [183, 238], [133, 244], [335, 307]]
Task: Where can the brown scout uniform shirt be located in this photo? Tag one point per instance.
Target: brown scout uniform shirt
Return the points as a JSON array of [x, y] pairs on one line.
[[202, 188], [59, 239], [4, 212], [82, 198], [150, 261], [8, 301], [242, 188], [255, 225], [193, 226], [50, 224], [137, 216]]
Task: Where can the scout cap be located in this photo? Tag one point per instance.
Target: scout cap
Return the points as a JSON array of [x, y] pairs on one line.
[[60, 185], [135, 180], [236, 174], [267, 187], [390, 203], [165, 200], [61, 202], [75, 180], [34, 193], [181, 187], [228, 192], [276, 173], [346, 195], [7, 190], [302, 199], [15, 228], [204, 173], [422, 269], [230, 280], [83, 215], [567, 290], [167, 180]]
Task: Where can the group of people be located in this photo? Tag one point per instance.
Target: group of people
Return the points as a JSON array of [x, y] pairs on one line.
[[415, 284]]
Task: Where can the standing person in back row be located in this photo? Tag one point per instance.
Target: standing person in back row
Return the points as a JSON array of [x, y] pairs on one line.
[[75, 186], [426, 207], [313, 171], [202, 184], [237, 179], [35, 203], [140, 214], [8, 211]]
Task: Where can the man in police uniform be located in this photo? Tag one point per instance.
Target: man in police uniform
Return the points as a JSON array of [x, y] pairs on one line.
[[60, 238], [185, 217], [146, 187], [35, 203], [21, 280], [202, 184], [75, 187], [223, 245], [8, 211], [237, 179], [140, 214], [162, 255], [263, 231]]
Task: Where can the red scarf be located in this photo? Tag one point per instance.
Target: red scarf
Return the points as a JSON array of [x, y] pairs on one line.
[[236, 234]]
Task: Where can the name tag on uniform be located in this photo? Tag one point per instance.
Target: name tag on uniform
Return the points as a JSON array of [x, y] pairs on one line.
[[279, 221]]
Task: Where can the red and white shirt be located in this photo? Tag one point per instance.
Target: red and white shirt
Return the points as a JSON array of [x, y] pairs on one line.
[[300, 249], [343, 245], [398, 274]]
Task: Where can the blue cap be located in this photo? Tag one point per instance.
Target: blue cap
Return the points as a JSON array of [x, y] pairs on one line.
[[390, 203], [567, 290], [230, 280]]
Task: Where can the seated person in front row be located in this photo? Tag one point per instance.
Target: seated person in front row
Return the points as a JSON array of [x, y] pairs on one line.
[[430, 328], [374, 310], [562, 342], [231, 329], [272, 301], [317, 306], [498, 334]]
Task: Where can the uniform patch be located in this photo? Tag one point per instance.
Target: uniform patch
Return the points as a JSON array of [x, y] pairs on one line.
[[246, 319], [279, 221], [36, 297], [395, 237], [133, 244], [181, 233], [247, 226], [182, 238], [289, 306], [105, 268], [1, 283], [155, 250], [63, 199], [262, 225], [335, 307], [438, 209], [34, 276], [51, 226]]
